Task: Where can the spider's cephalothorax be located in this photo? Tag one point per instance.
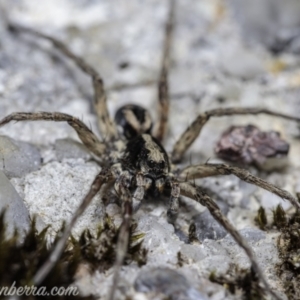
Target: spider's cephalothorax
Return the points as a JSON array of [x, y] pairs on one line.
[[133, 120], [135, 163]]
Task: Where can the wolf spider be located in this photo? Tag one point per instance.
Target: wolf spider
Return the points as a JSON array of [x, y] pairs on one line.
[[135, 163]]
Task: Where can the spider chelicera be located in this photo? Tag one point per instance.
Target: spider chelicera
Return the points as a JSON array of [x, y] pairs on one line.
[[135, 163]]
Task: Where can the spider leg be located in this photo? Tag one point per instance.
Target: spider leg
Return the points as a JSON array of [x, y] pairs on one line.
[[198, 194], [106, 125], [122, 188], [88, 138], [193, 131], [207, 170], [102, 178], [173, 202], [143, 184], [163, 86]]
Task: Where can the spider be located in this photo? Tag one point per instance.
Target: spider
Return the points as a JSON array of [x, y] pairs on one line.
[[135, 163]]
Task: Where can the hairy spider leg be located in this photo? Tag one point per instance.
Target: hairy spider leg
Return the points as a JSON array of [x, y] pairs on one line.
[[123, 237], [102, 178], [172, 212], [163, 85], [208, 170], [88, 138], [192, 132], [196, 193], [107, 127]]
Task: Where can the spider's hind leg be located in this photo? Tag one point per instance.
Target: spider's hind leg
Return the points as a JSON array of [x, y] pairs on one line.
[[106, 125], [201, 197]]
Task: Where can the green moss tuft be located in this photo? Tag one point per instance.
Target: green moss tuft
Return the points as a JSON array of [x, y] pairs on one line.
[[19, 262], [288, 245], [261, 218], [279, 217], [192, 233]]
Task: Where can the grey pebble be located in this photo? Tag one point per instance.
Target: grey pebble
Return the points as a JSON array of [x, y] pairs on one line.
[[16, 216], [251, 235], [169, 282], [208, 228], [18, 158], [273, 23], [68, 148]]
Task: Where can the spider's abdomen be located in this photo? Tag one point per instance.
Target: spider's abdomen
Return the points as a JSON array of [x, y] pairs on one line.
[[133, 120], [145, 154]]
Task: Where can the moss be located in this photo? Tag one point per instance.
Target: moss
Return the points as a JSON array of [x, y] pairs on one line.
[[261, 218], [279, 217], [192, 233], [19, 262], [240, 280], [288, 245], [180, 260]]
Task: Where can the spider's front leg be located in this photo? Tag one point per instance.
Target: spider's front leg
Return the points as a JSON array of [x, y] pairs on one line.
[[172, 212], [142, 185], [208, 170], [163, 86], [123, 237], [103, 178], [88, 138], [198, 194], [106, 126], [122, 186], [193, 131]]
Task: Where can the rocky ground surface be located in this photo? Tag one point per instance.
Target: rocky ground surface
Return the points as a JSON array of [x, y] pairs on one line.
[[220, 58]]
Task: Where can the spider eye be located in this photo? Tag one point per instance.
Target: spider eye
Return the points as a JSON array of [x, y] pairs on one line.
[[151, 163], [162, 164]]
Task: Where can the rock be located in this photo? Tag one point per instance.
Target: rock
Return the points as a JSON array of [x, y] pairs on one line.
[[18, 158], [241, 63], [207, 227], [251, 235], [160, 239], [192, 252], [274, 23], [168, 282], [67, 148], [56, 190], [16, 216], [215, 263], [250, 145]]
